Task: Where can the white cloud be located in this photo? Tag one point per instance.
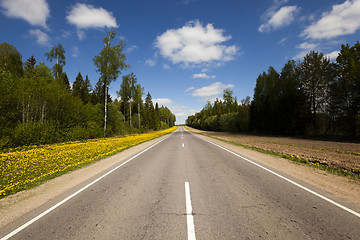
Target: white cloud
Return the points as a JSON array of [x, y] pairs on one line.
[[87, 16], [150, 62], [41, 37], [182, 112], [34, 12], [305, 48], [281, 18], [80, 34], [162, 101], [131, 48], [203, 75], [343, 19], [75, 51], [165, 66], [283, 40], [333, 55], [279, 2], [212, 90], [65, 34], [189, 89], [195, 44]]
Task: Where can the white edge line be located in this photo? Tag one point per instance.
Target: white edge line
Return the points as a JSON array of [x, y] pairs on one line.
[[189, 214], [22, 227], [286, 179]]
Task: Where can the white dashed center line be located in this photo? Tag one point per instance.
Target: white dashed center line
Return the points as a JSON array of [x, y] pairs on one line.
[[189, 214]]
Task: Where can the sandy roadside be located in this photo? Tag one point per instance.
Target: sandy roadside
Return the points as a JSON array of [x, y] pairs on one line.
[[340, 186], [15, 206]]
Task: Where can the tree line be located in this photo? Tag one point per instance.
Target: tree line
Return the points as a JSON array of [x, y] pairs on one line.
[[38, 105], [313, 97]]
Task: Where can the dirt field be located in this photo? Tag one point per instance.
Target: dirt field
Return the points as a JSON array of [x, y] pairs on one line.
[[337, 155]]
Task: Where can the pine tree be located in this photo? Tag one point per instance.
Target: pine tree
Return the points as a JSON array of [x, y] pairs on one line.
[[78, 86], [30, 63]]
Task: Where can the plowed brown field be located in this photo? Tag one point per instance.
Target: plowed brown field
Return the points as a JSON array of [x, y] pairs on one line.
[[337, 155]]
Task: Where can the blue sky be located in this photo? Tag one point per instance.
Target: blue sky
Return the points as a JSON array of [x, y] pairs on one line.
[[184, 52]]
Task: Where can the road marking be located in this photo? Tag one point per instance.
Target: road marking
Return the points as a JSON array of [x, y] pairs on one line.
[[183, 145], [22, 227], [189, 214], [288, 180]]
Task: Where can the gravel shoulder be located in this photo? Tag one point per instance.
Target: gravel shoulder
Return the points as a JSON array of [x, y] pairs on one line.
[[17, 205], [340, 186]]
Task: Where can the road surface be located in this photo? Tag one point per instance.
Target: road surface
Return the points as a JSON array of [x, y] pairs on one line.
[[185, 187]]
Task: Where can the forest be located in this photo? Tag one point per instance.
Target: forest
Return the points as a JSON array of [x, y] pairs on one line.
[[38, 105], [313, 97]]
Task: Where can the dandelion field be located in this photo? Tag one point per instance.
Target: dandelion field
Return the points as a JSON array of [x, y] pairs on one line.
[[22, 168]]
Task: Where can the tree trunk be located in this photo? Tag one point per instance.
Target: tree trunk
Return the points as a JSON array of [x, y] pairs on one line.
[[105, 111], [130, 113], [43, 112], [139, 113]]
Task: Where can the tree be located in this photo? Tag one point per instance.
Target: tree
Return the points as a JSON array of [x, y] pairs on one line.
[[264, 107], [10, 60], [65, 81], [78, 85], [293, 109], [127, 91], [156, 117], [148, 112], [57, 53], [86, 90], [315, 76], [345, 90], [229, 101], [30, 63], [138, 101], [82, 88], [110, 62]]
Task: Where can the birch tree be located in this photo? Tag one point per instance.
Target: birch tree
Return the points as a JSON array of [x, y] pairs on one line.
[[57, 53], [110, 62]]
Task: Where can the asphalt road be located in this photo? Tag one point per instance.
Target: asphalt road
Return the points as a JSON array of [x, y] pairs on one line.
[[185, 188]]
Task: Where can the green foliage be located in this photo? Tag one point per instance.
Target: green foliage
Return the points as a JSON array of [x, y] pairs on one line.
[[57, 53], [281, 98], [226, 116], [345, 90], [38, 107], [314, 97], [109, 63], [228, 122], [10, 60], [315, 77], [35, 133], [82, 88], [111, 60], [127, 93]]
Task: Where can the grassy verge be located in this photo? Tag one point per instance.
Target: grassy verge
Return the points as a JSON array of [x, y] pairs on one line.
[[340, 172], [26, 167]]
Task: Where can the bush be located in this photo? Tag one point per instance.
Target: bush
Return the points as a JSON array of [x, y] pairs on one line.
[[33, 133], [228, 122], [77, 133]]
